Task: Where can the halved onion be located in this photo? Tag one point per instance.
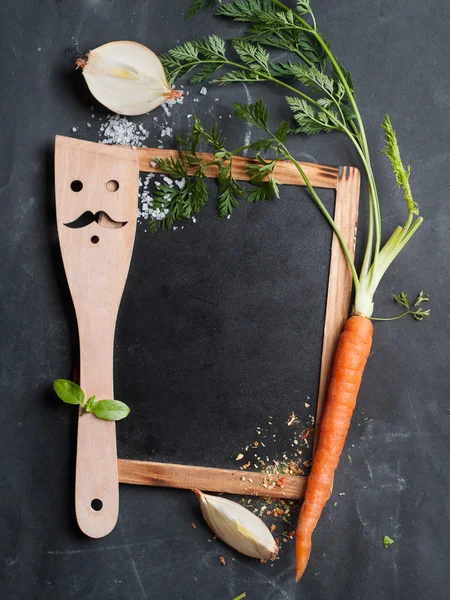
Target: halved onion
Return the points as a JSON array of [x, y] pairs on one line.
[[126, 77]]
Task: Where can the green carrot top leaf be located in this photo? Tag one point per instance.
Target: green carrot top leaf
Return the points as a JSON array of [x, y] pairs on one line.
[[196, 6], [412, 308], [303, 7], [392, 151]]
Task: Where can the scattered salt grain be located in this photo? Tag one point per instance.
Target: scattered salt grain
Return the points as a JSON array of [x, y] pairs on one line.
[[229, 217], [216, 99], [188, 116], [74, 129], [153, 164], [195, 99], [180, 183], [194, 220], [203, 91], [119, 130], [168, 180], [88, 124]]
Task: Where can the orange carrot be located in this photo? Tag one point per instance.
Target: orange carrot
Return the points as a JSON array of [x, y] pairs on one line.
[[351, 357]]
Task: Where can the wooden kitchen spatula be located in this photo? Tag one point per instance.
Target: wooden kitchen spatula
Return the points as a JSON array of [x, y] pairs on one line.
[[96, 207]]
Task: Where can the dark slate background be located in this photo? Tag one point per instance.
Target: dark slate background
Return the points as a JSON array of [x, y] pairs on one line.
[[220, 326]]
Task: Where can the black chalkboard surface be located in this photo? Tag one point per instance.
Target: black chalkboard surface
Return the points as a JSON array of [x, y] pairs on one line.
[[220, 326], [220, 331]]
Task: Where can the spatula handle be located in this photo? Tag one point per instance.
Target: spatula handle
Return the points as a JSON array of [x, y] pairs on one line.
[[96, 481]]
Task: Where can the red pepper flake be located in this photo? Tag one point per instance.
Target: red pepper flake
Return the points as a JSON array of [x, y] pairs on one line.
[[291, 534], [268, 512], [307, 432], [262, 561], [272, 528], [277, 541], [214, 537], [194, 526], [278, 512], [281, 482], [307, 463], [222, 560], [255, 444], [246, 466]]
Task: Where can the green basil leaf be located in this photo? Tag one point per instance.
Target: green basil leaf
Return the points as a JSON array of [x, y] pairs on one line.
[[89, 404], [68, 391], [111, 410]]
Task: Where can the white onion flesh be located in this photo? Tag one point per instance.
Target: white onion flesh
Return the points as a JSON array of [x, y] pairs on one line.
[[237, 526], [126, 77]]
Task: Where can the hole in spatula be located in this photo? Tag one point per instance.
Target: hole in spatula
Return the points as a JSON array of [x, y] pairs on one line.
[[112, 185], [96, 504], [76, 185], [95, 239]]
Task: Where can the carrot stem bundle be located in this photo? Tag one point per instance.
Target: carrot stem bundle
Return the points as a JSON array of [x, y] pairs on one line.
[[351, 356]]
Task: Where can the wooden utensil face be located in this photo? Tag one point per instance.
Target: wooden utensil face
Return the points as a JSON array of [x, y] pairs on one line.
[[96, 206]]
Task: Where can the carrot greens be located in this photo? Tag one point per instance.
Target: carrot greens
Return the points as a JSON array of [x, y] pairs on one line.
[[321, 97]]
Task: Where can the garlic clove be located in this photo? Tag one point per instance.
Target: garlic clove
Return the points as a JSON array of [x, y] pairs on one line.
[[126, 77], [237, 526]]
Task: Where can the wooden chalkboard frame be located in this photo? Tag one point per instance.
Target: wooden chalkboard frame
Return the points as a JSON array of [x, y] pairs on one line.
[[346, 182]]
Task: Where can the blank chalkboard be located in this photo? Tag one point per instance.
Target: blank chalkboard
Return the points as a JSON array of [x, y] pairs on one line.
[[220, 330]]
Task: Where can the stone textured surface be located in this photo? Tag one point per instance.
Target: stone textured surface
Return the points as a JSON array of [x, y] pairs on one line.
[[220, 327]]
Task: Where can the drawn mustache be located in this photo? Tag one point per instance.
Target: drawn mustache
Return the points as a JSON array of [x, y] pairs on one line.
[[100, 217]]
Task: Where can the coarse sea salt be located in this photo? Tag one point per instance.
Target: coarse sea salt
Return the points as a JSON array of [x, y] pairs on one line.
[[119, 130]]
